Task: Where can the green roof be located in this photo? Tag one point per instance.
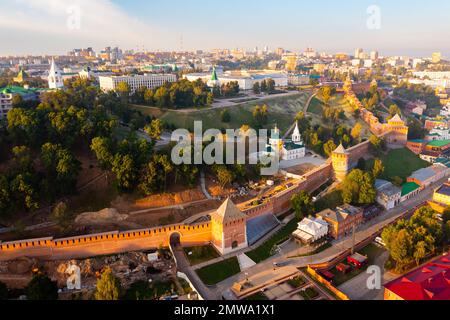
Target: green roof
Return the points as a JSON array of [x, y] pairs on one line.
[[409, 187], [439, 143], [17, 90], [292, 146]]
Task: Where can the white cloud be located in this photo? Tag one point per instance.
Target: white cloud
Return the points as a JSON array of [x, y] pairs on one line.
[[101, 22]]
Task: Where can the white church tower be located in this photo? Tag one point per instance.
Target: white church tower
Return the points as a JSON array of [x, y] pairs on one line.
[[296, 136], [55, 80]]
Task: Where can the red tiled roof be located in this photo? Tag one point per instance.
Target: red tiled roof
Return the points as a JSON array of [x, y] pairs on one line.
[[429, 282]]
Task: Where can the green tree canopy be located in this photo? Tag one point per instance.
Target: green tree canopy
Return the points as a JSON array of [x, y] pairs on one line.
[[42, 288], [108, 286], [302, 204]]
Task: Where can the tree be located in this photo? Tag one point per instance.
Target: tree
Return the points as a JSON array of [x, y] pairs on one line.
[[154, 175], [260, 114], [329, 147], [225, 116], [5, 194], [263, 86], [61, 215], [42, 288], [102, 149], [359, 188], [108, 286], [224, 176], [302, 204], [123, 166], [394, 110], [270, 86], [420, 252], [154, 129], [124, 90], [3, 291], [398, 181], [256, 88], [378, 168], [356, 131], [376, 144], [325, 92], [401, 248]]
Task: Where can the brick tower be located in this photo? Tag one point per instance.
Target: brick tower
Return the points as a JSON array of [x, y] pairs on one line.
[[229, 228], [341, 163], [398, 131]]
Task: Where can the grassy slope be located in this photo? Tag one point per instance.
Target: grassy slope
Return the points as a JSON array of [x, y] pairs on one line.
[[282, 111], [401, 163]]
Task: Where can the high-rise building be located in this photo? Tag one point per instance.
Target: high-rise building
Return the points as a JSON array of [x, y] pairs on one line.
[[374, 55], [291, 61], [358, 53], [279, 51], [436, 57]]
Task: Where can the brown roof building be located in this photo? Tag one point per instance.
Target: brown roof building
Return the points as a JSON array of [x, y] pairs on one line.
[[342, 220]]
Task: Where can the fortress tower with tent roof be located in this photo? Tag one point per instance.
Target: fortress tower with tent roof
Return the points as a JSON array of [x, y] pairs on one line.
[[228, 228]]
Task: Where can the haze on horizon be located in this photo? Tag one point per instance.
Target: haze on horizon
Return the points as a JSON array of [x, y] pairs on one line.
[[408, 27]]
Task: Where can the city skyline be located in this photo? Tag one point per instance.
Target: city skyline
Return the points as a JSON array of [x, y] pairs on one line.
[[54, 27]]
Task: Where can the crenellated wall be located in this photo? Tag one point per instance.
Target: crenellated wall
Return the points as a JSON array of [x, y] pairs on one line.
[[105, 243]]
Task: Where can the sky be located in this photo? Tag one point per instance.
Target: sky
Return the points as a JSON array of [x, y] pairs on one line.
[[403, 27]]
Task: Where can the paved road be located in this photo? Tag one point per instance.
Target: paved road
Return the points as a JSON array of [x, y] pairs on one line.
[[338, 246]]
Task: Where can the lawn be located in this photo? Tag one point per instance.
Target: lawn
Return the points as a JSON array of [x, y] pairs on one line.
[[400, 163], [372, 251], [316, 107], [218, 272], [265, 251], [200, 254], [309, 294], [257, 297], [297, 282]]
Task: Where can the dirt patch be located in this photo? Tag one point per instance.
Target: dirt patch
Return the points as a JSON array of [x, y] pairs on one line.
[[301, 169], [169, 199], [104, 216], [156, 218]]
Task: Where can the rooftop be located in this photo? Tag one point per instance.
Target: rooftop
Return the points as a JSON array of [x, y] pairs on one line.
[[429, 282], [409, 187], [387, 188], [444, 189], [439, 143], [293, 146], [423, 174], [228, 212]]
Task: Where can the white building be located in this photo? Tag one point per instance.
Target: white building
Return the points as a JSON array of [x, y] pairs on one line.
[[310, 230], [246, 79], [288, 149], [388, 195], [150, 81], [88, 73], [439, 133], [55, 77]]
